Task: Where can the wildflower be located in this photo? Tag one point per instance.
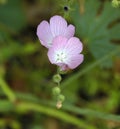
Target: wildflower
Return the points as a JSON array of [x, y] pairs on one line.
[[46, 32], [65, 53]]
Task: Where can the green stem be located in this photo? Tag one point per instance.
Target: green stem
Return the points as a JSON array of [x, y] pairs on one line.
[[26, 106], [8, 106], [93, 113], [8, 92]]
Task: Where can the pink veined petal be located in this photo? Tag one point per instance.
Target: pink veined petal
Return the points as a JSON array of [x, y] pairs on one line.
[[70, 31], [59, 42], [75, 61], [73, 46], [44, 34], [58, 45], [58, 25]]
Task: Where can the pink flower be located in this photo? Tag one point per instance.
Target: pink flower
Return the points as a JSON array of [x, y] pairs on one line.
[[66, 52], [46, 32]]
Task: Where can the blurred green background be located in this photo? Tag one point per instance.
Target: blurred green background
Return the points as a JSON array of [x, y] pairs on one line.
[[92, 91]]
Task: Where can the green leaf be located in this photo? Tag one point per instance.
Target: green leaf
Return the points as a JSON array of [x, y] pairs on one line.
[[101, 48], [109, 14], [114, 32], [93, 28]]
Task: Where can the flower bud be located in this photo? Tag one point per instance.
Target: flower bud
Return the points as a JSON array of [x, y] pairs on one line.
[[56, 91], [57, 78], [59, 104], [61, 98]]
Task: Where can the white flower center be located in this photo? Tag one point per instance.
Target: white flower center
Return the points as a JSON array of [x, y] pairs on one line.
[[60, 57]]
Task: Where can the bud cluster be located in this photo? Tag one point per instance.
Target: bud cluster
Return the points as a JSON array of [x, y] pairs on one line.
[[57, 91]]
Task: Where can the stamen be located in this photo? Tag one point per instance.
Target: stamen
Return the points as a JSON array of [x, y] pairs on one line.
[[61, 57]]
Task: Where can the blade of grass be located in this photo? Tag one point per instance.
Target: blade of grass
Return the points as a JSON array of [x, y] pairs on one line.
[[8, 92]]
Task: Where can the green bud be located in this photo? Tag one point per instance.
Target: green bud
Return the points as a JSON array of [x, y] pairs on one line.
[[61, 98], [56, 91], [57, 78]]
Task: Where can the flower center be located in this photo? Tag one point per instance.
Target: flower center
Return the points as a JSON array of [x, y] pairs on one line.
[[61, 57]]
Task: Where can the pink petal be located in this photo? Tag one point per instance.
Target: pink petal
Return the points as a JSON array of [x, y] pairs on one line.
[[58, 25], [70, 31], [75, 61], [73, 46], [51, 56], [58, 44], [44, 34]]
